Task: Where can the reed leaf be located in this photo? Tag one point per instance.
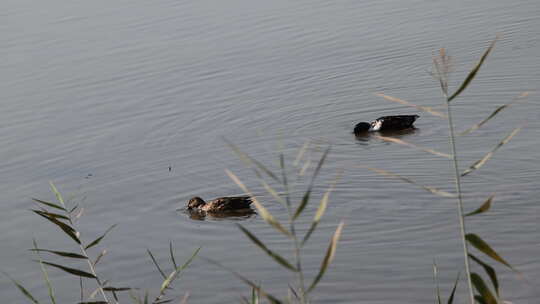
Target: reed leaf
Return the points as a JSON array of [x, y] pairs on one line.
[[70, 270], [51, 214], [500, 108], [110, 288], [265, 214], [272, 299], [410, 181], [436, 279], [301, 153], [330, 253], [285, 181], [482, 289], [305, 198], [96, 241], [485, 207], [171, 253], [278, 258], [174, 274], [65, 227], [100, 255], [490, 272], [61, 253], [94, 302], [473, 72], [248, 160], [483, 160], [404, 102], [320, 210], [156, 263], [451, 297], [53, 205], [254, 296], [22, 289], [58, 195], [482, 246], [402, 142], [480, 299], [50, 289]]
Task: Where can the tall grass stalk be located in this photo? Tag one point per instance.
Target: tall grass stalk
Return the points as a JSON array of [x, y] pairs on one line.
[[457, 180], [294, 211], [442, 67]]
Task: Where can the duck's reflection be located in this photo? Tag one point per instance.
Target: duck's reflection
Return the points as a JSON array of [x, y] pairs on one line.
[[235, 215], [364, 138]]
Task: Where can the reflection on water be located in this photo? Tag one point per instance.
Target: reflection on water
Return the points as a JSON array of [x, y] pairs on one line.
[[236, 215], [366, 137]]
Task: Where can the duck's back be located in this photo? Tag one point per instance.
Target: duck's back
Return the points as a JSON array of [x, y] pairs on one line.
[[397, 122], [229, 203]]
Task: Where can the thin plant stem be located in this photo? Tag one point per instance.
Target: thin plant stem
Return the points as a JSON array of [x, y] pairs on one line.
[[297, 257], [457, 179], [83, 251]]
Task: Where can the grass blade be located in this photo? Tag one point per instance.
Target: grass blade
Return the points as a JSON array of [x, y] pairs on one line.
[[436, 279], [305, 198], [174, 274], [261, 292], [485, 207], [57, 194], [451, 298], [480, 299], [301, 153], [478, 125], [156, 263], [50, 289], [403, 102], [100, 255], [402, 142], [248, 160], [410, 181], [171, 252], [110, 288], [473, 72], [481, 245], [70, 270], [484, 291], [53, 205], [321, 209], [61, 253], [279, 259], [65, 227], [22, 289], [267, 216], [50, 214], [96, 241], [483, 160], [489, 270], [330, 253]]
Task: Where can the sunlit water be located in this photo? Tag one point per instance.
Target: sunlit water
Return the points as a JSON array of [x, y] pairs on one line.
[[101, 97]]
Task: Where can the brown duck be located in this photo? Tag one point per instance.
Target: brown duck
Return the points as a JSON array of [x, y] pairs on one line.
[[221, 204]]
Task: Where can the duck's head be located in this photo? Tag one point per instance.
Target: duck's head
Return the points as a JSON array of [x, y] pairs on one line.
[[195, 203], [362, 128]]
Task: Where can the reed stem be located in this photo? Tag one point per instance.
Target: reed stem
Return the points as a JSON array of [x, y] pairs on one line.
[[457, 179]]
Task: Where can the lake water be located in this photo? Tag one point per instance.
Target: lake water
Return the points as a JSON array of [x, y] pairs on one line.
[[101, 97]]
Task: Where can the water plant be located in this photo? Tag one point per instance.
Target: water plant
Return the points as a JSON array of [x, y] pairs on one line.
[[65, 218], [299, 291], [477, 289]]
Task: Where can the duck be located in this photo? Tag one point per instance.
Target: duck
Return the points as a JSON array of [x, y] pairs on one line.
[[221, 204], [386, 123]]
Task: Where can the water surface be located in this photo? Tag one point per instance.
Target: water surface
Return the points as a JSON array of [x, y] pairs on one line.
[[102, 97]]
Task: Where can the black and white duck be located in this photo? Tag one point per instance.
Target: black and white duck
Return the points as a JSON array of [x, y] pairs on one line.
[[386, 123], [221, 204]]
